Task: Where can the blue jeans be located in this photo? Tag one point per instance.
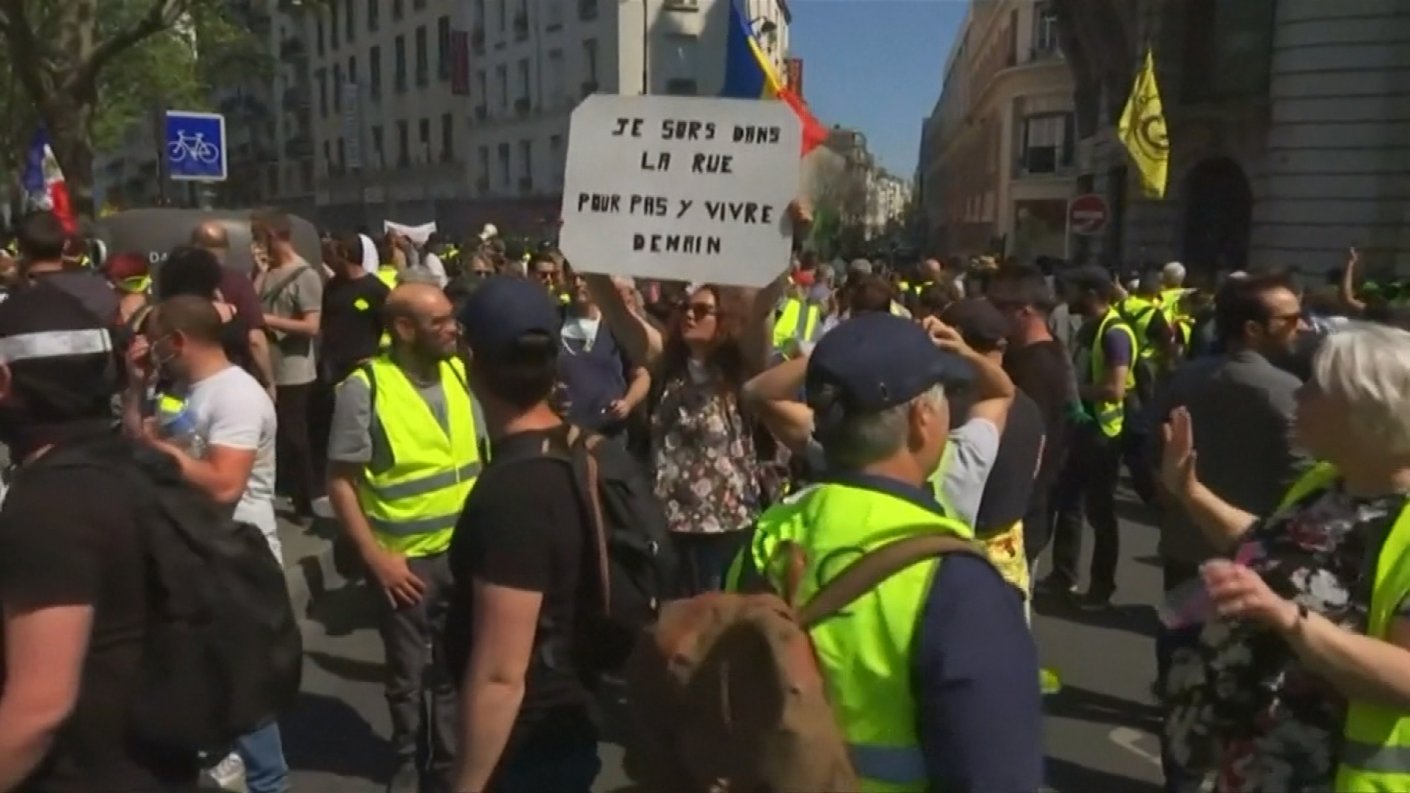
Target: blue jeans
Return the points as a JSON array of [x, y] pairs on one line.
[[560, 756], [704, 560], [262, 752]]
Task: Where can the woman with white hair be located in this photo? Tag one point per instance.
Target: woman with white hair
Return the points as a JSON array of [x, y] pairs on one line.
[[1301, 680]]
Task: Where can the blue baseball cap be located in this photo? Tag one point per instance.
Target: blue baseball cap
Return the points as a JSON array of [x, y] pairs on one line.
[[504, 310], [873, 362]]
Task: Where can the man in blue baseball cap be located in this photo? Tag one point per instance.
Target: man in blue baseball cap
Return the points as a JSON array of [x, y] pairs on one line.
[[932, 672], [519, 551]]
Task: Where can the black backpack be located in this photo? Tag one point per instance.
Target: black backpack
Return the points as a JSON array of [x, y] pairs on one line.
[[635, 562], [223, 653]]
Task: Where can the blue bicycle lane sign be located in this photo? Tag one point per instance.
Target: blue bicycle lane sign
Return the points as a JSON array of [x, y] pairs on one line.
[[194, 146]]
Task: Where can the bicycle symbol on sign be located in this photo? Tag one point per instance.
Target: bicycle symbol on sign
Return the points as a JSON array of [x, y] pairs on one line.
[[193, 146]]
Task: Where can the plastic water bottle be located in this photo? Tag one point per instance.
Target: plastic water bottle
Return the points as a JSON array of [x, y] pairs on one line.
[[1189, 604]]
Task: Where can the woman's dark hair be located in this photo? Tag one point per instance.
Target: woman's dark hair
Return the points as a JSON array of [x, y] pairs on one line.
[[523, 376], [189, 270], [726, 357], [869, 294], [1240, 301]]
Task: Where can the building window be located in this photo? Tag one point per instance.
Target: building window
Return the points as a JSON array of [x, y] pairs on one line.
[[590, 61], [555, 78], [399, 65], [526, 165], [423, 129], [501, 73], [374, 71], [1047, 145], [447, 137], [443, 48], [521, 22], [521, 104], [350, 19], [328, 156], [1232, 44], [1045, 30], [337, 88], [681, 53], [319, 35], [378, 151], [503, 16], [552, 14], [504, 165], [482, 89], [555, 159], [352, 69], [423, 58], [321, 76], [334, 27], [373, 6], [342, 155], [484, 177], [403, 144], [398, 9]]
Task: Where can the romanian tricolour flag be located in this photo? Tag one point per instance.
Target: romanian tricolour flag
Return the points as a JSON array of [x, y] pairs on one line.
[[44, 180], [749, 74]]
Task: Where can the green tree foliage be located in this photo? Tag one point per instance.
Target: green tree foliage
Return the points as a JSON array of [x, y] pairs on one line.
[[92, 69]]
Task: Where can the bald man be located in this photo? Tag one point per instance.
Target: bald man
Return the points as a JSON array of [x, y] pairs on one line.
[[398, 473], [239, 291]]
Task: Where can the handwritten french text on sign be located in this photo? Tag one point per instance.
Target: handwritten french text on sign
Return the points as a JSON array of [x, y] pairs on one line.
[[680, 188]]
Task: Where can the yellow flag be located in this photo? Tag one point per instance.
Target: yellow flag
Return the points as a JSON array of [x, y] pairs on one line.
[[1143, 133]]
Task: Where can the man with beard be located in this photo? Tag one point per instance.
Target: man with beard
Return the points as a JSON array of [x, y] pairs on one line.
[[1103, 354], [218, 423], [404, 453]]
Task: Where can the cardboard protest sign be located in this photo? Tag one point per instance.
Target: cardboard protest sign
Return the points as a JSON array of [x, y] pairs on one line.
[[680, 188]]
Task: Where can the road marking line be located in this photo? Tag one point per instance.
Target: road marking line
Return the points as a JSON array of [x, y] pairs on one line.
[[1127, 739]]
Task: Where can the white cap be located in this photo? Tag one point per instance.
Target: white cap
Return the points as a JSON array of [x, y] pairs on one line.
[[488, 232], [1173, 274]]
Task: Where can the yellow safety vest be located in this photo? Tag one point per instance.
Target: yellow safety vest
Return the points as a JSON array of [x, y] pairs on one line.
[[1139, 312], [798, 320], [865, 657], [1375, 751], [413, 505], [1110, 416], [1170, 302], [387, 274]]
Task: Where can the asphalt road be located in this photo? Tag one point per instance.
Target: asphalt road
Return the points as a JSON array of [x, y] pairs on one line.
[[1099, 727]]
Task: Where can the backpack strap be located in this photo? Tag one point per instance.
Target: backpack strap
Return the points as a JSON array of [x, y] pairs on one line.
[[588, 442], [868, 572]]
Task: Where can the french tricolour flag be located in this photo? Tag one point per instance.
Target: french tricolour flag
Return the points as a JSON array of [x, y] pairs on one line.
[[44, 180]]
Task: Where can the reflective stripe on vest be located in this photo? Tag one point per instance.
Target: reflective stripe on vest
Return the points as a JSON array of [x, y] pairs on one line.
[[866, 656], [1110, 416], [414, 504], [1375, 750], [798, 320]]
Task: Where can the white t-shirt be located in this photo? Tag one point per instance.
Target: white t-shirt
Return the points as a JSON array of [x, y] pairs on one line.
[[231, 409], [433, 263], [369, 254]]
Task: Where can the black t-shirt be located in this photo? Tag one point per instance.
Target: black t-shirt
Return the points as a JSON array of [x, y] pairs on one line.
[[1010, 482], [524, 527], [1043, 371], [351, 322], [70, 537]]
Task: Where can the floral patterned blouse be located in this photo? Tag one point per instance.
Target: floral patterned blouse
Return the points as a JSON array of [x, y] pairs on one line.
[[1242, 706], [703, 456]]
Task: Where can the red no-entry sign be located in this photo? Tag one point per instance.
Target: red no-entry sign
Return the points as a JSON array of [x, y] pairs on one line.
[[1087, 214]]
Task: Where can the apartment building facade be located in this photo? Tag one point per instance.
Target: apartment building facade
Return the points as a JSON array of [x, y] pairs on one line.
[[998, 159], [1287, 121], [459, 112]]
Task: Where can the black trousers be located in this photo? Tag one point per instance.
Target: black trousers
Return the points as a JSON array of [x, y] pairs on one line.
[[294, 462], [1087, 487], [420, 694], [321, 401]]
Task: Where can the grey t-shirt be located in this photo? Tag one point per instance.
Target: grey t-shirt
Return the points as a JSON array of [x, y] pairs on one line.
[[976, 446], [286, 294], [357, 436]]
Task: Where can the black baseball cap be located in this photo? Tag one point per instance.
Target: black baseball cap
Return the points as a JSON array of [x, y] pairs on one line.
[[979, 323], [503, 310]]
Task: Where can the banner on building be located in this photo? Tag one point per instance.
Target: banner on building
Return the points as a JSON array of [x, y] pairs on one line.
[[680, 188]]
